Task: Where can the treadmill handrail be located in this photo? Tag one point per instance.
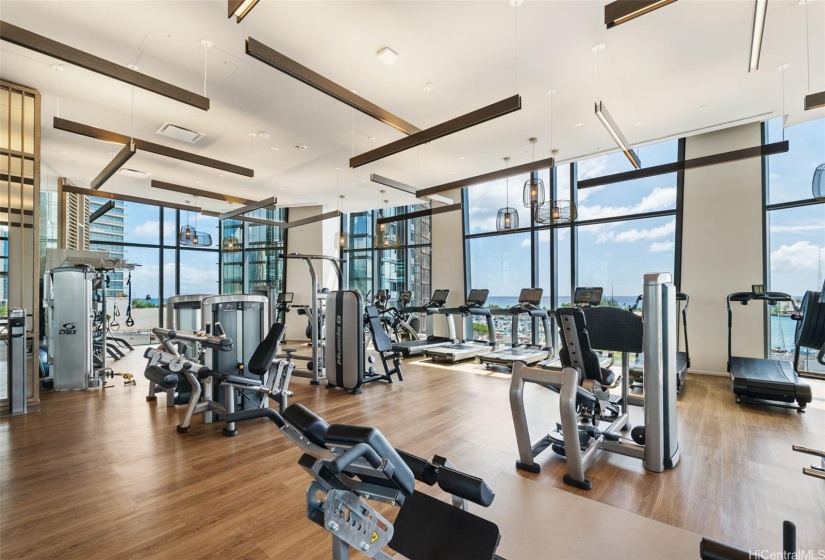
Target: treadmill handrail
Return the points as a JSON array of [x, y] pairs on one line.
[[771, 298]]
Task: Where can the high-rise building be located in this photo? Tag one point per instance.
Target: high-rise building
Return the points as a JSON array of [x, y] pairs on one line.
[[110, 227], [4, 265]]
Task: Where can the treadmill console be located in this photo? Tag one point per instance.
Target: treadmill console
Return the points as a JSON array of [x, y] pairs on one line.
[[588, 296], [531, 296], [404, 298], [439, 298], [477, 297], [758, 289], [285, 297]]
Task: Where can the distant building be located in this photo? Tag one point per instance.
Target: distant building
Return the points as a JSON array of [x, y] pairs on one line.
[[110, 227]]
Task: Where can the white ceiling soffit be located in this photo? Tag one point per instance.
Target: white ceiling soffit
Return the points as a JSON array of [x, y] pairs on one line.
[[675, 70]]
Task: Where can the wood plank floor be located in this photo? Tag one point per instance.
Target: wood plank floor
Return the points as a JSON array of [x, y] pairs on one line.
[[103, 474]]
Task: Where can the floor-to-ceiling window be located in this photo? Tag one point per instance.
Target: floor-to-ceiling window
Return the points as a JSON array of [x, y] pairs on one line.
[[251, 252], [795, 227], [622, 231], [166, 260], [405, 266]]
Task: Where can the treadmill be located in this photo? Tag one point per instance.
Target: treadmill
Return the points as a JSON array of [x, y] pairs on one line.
[[436, 306], [682, 358], [582, 298], [528, 304], [761, 380], [470, 348]]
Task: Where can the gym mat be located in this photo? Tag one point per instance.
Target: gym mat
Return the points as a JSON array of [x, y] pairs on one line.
[[541, 522]]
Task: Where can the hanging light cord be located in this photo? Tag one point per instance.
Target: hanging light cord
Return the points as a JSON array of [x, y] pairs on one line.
[[205, 56], [807, 49], [782, 71]]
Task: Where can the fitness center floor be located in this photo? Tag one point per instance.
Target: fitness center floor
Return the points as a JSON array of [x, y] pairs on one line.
[[104, 474]]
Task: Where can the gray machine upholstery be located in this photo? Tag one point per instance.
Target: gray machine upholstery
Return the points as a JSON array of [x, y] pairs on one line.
[[344, 356]]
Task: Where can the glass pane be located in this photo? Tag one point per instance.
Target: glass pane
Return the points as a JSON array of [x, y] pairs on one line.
[[392, 271], [360, 230], [616, 256], [169, 270], [419, 275], [198, 272], [418, 229], [359, 267], [617, 162], [797, 261], [484, 202], [501, 264], [140, 286], [126, 222], [790, 174], [632, 197], [170, 227]]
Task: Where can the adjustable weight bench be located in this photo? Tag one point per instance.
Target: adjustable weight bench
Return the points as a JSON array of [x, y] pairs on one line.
[[353, 464]]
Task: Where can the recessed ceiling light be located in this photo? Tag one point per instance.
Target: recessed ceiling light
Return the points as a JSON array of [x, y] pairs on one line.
[[274, 149], [783, 66], [302, 146], [428, 87], [251, 134], [62, 153], [637, 124], [598, 47], [134, 173], [280, 188], [388, 56], [579, 124], [449, 172], [516, 3], [112, 153], [803, 2], [551, 91], [59, 67], [206, 43], [263, 134], [134, 67], [179, 133]]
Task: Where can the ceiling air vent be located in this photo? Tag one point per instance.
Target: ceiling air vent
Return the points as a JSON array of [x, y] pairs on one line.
[[180, 133], [134, 173]]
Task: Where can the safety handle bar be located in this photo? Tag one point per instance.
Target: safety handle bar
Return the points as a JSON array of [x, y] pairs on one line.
[[465, 486], [422, 470], [356, 452], [252, 413]]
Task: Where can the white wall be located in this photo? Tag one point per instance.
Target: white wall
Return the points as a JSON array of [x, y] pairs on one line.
[[448, 261], [311, 239], [722, 248]]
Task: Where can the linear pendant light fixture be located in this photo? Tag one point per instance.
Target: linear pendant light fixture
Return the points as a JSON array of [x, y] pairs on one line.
[[812, 100], [145, 146], [129, 198], [117, 162], [618, 137], [487, 177], [387, 182], [473, 118], [621, 11], [278, 61], [239, 8], [49, 47], [760, 10], [312, 219]]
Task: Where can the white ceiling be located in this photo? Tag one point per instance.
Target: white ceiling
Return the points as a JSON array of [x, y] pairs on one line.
[[677, 70]]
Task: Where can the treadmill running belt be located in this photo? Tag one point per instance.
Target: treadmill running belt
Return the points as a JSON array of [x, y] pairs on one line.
[[768, 379]]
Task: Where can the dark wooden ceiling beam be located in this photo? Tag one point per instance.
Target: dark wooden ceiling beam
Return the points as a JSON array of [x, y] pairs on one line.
[[694, 163], [487, 177], [129, 198], [273, 58], [420, 214], [113, 166], [403, 187], [145, 146], [52, 48], [622, 11], [473, 118], [814, 100], [312, 219], [199, 192]]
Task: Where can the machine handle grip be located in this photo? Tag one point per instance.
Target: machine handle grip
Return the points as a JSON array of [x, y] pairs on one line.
[[710, 549], [353, 454], [422, 470], [253, 413]]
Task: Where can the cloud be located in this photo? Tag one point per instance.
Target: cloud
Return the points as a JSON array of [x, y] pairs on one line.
[[661, 247], [634, 235], [149, 230], [802, 255], [795, 229], [661, 198]]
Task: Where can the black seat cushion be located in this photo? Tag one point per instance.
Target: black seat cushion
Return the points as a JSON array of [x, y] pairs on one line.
[[614, 330], [307, 422], [451, 533], [380, 340], [590, 360], [266, 350], [352, 435]]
